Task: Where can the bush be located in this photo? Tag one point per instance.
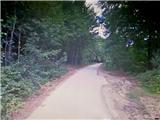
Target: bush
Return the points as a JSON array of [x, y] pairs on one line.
[[9, 103], [150, 80], [21, 80], [13, 89], [18, 83], [13, 82], [156, 59]]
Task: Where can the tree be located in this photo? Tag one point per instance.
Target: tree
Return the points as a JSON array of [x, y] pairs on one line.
[[134, 21]]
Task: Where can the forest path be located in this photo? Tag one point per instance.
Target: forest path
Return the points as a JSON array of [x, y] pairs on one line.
[[79, 97]]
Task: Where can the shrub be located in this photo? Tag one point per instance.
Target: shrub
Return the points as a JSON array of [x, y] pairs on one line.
[[156, 59], [150, 80], [21, 80], [13, 89]]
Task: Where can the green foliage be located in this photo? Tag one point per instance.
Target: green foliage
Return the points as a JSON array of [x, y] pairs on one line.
[[130, 21], [118, 56], [125, 23], [156, 59], [48, 41], [13, 83], [94, 51], [150, 80], [22, 79], [13, 89], [9, 103]]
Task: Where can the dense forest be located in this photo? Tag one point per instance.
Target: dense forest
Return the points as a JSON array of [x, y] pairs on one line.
[[38, 40], [133, 45]]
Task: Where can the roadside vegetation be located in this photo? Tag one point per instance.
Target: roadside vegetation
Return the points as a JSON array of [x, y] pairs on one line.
[[38, 39], [133, 45]]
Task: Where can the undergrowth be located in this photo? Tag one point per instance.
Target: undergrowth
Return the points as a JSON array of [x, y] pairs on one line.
[[21, 81], [150, 81]]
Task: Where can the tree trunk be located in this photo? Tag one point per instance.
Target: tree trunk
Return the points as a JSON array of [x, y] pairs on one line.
[[10, 43], [149, 50], [19, 46], [5, 50]]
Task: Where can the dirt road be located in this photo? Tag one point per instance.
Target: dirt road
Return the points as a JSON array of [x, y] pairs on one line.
[[94, 94], [79, 97]]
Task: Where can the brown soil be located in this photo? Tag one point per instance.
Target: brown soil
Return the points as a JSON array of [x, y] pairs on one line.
[[130, 98]]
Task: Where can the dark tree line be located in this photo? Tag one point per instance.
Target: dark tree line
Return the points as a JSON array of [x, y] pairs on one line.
[[73, 19], [137, 21], [134, 42]]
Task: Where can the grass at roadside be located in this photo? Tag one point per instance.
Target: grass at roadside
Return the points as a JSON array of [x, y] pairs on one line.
[[150, 81]]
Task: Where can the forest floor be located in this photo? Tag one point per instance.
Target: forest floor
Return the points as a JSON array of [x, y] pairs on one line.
[[91, 93], [126, 96]]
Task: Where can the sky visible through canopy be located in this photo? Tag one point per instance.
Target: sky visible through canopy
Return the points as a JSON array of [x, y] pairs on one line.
[[100, 28]]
